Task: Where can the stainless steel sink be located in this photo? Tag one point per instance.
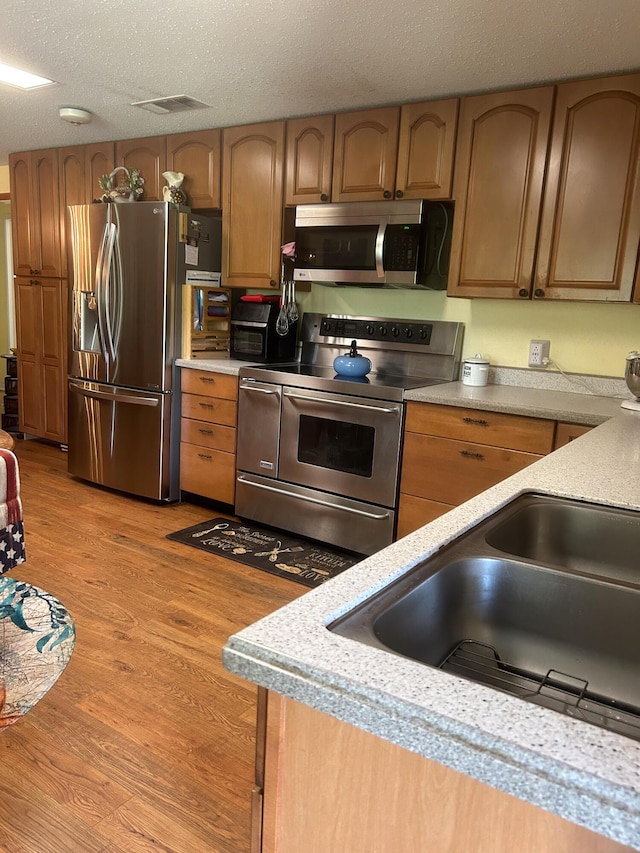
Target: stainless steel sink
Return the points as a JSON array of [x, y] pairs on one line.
[[542, 600]]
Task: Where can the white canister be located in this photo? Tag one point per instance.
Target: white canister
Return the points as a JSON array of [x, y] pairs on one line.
[[475, 371]]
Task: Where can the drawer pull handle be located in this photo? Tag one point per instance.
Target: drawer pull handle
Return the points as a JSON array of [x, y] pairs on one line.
[[206, 431], [476, 421], [207, 379], [207, 405], [469, 454], [204, 455]]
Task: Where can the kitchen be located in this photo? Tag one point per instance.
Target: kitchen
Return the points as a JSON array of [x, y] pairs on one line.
[[507, 326]]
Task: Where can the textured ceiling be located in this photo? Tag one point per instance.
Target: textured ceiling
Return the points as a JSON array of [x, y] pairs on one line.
[[254, 60]]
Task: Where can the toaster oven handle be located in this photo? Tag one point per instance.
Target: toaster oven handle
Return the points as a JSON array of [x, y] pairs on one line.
[[380, 249], [377, 516], [384, 409]]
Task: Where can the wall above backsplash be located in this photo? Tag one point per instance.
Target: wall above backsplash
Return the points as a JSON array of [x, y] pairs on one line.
[[586, 338]]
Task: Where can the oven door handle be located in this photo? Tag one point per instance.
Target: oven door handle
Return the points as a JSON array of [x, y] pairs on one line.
[[380, 249], [261, 390], [376, 516], [383, 409]]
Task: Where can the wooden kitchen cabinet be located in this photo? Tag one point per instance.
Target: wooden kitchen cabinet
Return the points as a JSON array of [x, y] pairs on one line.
[[197, 156], [363, 794], [149, 156], [365, 155], [451, 454], [426, 147], [41, 311], [309, 163], [499, 171], [590, 227], [35, 213], [208, 434], [568, 432], [252, 204], [99, 160], [72, 183]]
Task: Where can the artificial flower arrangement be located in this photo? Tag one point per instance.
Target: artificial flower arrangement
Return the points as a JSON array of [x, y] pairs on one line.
[[130, 188]]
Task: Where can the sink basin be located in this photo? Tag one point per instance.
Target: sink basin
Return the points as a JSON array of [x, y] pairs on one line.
[[541, 600]]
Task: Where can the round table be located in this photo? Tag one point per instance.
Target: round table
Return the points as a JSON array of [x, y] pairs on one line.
[[6, 441]]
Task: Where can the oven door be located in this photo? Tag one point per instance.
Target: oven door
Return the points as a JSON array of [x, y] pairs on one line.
[[346, 445]]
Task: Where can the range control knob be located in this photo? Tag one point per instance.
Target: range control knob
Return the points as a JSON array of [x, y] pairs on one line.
[[395, 331], [383, 331], [408, 332], [369, 329], [325, 325], [423, 333]]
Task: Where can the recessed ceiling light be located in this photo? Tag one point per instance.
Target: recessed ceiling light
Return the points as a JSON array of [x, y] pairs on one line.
[[22, 79]]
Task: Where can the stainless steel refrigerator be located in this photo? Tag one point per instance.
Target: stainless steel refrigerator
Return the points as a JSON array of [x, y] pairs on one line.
[[129, 264]]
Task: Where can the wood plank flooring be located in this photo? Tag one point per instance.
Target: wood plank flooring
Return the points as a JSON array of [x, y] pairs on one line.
[[146, 742]]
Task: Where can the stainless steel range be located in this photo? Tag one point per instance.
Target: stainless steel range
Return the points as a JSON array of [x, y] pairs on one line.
[[318, 453]]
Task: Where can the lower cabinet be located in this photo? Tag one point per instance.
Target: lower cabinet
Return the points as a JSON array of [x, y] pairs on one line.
[[208, 434], [330, 787], [451, 454]]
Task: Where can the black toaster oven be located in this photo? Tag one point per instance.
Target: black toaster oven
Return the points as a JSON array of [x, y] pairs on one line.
[[253, 333]]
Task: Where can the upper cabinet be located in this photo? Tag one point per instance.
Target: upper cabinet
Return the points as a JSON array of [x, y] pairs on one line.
[[197, 156], [309, 164], [99, 160], [499, 172], [252, 202], [73, 189], [365, 155], [35, 213], [148, 156], [426, 146], [590, 228]]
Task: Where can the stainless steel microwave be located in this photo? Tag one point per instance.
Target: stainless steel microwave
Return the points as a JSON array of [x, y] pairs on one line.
[[374, 244]]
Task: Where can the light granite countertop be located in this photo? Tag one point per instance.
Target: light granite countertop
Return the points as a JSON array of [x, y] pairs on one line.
[[583, 773]]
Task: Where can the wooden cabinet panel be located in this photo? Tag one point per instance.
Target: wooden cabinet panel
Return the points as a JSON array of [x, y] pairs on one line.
[[209, 383], [207, 472], [381, 797], [309, 163], [365, 155], [534, 435], [212, 435], [99, 161], [149, 156], [28, 319], [499, 171], [209, 409], [197, 156], [448, 471], [590, 225], [72, 181], [414, 512], [29, 396], [568, 432], [425, 149], [35, 213], [252, 201]]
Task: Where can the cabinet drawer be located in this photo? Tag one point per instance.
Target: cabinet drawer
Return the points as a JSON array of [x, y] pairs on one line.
[[568, 432], [215, 436], [206, 472], [415, 512], [533, 435], [209, 384], [210, 409], [451, 472]]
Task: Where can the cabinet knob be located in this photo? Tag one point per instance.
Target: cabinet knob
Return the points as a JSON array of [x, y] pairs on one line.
[[523, 292], [272, 283], [399, 194], [387, 194], [538, 292], [324, 197]]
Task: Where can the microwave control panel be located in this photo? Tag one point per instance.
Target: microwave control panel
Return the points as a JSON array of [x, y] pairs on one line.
[[401, 245], [392, 331]]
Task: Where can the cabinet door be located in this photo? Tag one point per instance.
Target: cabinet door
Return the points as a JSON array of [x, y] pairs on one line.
[[46, 212], [309, 160], [425, 149], [19, 174], [252, 200], [28, 326], [98, 161], [364, 162], [590, 225], [197, 156], [148, 156], [71, 164], [499, 171]]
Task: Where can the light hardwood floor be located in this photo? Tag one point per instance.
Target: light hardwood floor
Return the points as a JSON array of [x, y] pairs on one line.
[[146, 742]]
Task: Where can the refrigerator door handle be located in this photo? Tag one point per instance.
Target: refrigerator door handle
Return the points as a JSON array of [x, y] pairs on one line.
[[107, 271], [120, 397], [99, 289]]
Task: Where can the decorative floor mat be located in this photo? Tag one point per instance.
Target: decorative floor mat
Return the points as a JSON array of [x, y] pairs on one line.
[[309, 563]]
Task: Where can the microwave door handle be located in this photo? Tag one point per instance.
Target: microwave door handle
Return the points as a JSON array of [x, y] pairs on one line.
[[380, 249]]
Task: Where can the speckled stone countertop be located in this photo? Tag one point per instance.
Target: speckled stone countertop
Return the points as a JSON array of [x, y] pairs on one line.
[[215, 365], [578, 771]]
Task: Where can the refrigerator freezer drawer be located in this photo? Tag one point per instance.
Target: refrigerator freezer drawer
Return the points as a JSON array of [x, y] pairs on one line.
[[121, 438]]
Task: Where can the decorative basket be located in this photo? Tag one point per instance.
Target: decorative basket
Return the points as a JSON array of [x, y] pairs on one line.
[[128, 188]]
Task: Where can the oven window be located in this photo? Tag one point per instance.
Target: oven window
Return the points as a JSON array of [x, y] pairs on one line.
[[246, 341], [336, 444], [337, 248]]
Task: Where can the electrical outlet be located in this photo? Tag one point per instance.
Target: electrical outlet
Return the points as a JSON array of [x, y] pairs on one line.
[[539, 353]]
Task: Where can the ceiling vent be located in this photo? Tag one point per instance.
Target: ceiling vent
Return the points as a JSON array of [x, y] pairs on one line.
[[174, 104]]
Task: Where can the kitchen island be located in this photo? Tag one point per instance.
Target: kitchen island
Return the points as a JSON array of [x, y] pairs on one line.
[[582, 773]]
